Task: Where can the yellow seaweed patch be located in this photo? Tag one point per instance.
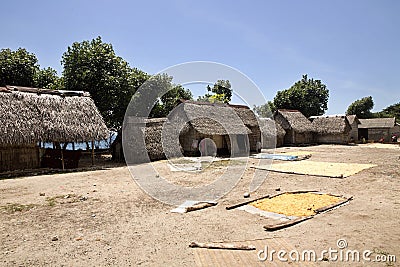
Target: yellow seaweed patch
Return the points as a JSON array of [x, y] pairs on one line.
[[299, 204]]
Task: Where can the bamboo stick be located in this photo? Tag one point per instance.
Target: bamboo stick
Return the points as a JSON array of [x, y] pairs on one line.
[[221, 246]]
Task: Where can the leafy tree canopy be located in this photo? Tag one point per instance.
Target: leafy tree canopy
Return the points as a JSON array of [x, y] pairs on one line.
[[309, 96], [361, 107], [222, 92], [47, 78], [266, 110], [17, 67], [93, 66], [389, 112]]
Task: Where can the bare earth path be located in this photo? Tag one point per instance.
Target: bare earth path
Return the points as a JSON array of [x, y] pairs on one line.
[[102, 218]]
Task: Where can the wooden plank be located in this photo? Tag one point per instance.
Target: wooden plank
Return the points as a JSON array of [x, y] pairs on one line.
[[298, 173], [245, 203], [221, 246], [320, 210], [278, 226]]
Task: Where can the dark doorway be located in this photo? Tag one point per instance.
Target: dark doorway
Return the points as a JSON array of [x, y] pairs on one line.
[[362, 133]]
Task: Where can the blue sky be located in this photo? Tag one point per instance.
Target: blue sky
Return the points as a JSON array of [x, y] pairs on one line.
[[352, 46]]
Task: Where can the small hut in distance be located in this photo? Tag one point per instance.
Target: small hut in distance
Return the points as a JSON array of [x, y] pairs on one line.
[[331, 129], [32, 115], [299, 129]]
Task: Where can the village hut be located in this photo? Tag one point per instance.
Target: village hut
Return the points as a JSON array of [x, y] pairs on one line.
[[227, 126], [354, 122], [299, 129], [377, 128], [31, 116], [272, 134], [331, 129]]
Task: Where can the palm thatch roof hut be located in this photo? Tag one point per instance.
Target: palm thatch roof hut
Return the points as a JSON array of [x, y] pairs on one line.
[[299, 129], [331, 129], [219, 122], [272, 134], [31, 115]]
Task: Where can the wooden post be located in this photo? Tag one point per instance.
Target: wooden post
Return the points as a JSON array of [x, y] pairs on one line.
[[73, 146], [92, 152], [62, 159]]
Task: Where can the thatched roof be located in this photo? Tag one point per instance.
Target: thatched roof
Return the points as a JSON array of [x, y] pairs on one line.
[[270, 128], [293, 119], [246, 114], [331, 125], [212, 119], [30, 115], [377, 123], [352, 119]]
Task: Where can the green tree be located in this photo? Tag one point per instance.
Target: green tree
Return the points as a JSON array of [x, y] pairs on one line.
[[309, 96], [390, 112], [361, 107], [17, 67], [93, 66], [265, 110], [222, 92], [47, 78]]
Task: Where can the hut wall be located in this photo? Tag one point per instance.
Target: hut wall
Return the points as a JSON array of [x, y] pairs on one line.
[[289, 137], [19, 157], [268, 141], [301, 138], [191, 139], [354, 130], [254, 137], [374, 134], [333, 138], [280, 140], [395, 130]]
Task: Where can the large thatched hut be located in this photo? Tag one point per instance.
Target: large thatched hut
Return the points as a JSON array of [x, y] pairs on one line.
[[375, 129], [299, 129], [272, 133], [232, 128], [331, 129], [31, 116]]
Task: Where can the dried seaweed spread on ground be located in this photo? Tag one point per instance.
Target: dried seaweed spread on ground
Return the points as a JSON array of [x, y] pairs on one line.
[[300, 204]]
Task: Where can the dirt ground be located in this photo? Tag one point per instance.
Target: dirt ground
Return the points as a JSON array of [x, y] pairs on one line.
[[102, 218]]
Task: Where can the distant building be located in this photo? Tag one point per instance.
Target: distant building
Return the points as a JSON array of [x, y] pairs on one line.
[[375, 129], [299, 129], [332, 129]]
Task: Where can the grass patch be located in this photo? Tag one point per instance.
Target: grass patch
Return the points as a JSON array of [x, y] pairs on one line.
[[16, 207], [62, 199]]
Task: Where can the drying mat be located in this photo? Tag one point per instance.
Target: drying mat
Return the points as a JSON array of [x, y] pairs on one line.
[[317, 168]]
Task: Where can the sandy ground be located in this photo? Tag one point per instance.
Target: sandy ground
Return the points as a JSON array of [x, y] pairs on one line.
[[102, 218]]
